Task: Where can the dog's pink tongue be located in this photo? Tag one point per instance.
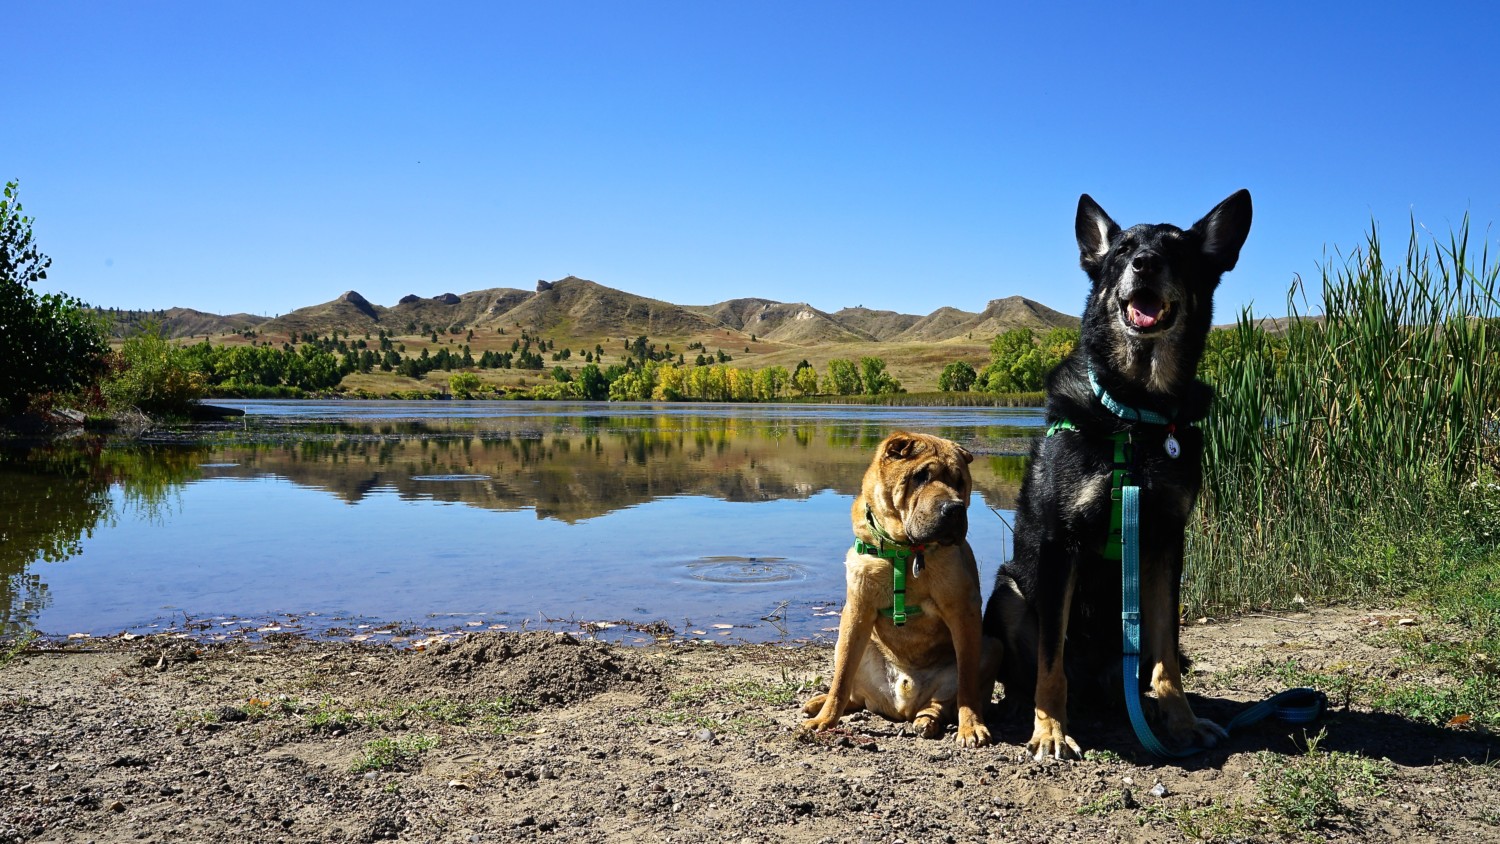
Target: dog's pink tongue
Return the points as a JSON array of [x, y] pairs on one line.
[[1145, 311]]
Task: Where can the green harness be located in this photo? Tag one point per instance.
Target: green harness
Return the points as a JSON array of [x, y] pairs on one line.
[[901, 556]]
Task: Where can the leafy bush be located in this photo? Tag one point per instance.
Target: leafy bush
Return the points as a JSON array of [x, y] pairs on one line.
[[464, 384], [957, 377], [49, 343], [153, 375], [1019, 361]]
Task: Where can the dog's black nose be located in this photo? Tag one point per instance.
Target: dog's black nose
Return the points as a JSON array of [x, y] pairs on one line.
[[1145, 261], [954, 515]]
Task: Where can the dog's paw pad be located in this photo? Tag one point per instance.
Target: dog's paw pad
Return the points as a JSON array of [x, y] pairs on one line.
[[1053, 746], [927, 727], [813, 725], [973, 737]]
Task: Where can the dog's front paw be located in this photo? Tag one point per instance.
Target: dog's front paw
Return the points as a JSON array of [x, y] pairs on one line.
[[818, 723], [1199, 732], [927, 726], [973, 735], [1050, 738]]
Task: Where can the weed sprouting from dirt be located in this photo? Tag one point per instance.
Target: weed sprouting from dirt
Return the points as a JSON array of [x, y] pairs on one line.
[[386, 753], [1308, 792], [697, 705], [15, 647]]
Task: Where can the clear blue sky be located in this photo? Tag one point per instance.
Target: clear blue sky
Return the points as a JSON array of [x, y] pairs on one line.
[[264, 156]]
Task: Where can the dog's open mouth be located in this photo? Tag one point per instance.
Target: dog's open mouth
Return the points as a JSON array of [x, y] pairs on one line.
[[1146, 312]]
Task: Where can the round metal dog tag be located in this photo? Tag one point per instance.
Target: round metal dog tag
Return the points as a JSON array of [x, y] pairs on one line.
[[1173, 447]]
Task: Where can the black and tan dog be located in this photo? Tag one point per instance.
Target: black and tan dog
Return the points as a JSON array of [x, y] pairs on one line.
[[912, 515], [1143, 331]]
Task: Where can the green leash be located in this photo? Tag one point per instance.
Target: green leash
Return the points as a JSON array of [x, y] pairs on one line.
[[901, 556], [1294, 706]]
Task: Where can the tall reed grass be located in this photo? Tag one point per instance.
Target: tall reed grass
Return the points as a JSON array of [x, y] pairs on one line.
[[1344, 450]]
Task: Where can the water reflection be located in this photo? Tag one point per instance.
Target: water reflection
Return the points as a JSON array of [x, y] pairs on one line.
[[54, 496], [575, 468], [208, 520]]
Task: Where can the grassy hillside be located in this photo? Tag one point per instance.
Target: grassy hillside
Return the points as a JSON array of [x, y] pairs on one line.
[[570, 321]]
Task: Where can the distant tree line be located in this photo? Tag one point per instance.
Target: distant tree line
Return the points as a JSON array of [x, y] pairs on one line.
[[654, 380]]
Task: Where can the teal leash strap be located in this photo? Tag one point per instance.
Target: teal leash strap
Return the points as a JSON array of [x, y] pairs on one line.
[[1293, 706], [1130, 620]]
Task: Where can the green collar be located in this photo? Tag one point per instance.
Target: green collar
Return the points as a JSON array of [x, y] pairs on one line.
[[900, 556]]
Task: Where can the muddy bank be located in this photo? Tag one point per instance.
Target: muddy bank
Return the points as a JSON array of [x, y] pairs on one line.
[[537, 736]]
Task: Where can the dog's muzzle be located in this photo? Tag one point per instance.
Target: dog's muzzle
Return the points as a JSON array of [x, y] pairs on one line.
[[949, 527], [1145, 308]]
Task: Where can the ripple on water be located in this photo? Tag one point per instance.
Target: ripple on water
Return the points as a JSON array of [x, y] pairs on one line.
[[746, 570], [450, 478]]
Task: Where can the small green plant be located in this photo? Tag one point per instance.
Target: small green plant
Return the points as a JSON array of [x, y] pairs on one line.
[[1308, 791], [330, 715], [15, 647], [498, 715], [386, 753]]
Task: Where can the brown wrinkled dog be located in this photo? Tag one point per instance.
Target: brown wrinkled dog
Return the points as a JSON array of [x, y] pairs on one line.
[[915, 497]]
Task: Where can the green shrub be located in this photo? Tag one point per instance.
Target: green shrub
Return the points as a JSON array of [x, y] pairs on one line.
[[49, 343], [153, 375]]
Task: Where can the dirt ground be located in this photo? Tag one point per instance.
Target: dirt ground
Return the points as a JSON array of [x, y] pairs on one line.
[[541, 736]]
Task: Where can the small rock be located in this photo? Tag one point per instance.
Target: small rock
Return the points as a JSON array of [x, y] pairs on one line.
[[704, 735], [460, 784], [1127, 800], [116, 806], [1159, 790]]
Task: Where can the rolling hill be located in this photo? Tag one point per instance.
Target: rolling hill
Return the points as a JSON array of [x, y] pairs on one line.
[[578, 308]]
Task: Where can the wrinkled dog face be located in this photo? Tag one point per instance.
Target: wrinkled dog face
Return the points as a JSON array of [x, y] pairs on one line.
[[926, 481]]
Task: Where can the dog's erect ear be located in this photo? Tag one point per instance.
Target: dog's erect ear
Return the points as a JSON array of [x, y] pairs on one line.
[[1095, 230], [901, 446], [1224, 230]]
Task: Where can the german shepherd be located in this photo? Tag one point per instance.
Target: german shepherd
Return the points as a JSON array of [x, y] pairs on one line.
[[1143, 331]]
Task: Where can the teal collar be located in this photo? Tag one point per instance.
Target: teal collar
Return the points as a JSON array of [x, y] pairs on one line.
[[1125, 411]]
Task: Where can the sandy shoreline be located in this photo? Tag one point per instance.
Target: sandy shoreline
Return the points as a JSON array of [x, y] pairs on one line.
[[541, 736]]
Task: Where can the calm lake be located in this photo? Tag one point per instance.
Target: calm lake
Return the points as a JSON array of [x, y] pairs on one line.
[[401, 521]]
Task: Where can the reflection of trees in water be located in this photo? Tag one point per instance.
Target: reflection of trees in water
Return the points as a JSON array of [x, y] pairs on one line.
[[576, 468], [53, 496]]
